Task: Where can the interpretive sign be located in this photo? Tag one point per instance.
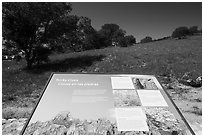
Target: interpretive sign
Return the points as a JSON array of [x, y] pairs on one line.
[[105, 104]]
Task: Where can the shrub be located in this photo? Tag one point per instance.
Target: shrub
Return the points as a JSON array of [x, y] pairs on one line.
[[180, 32], [130, 40], [193, 30], [146, 39], [122, 42]]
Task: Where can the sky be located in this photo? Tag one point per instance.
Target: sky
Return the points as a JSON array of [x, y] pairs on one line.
[[139, 19]]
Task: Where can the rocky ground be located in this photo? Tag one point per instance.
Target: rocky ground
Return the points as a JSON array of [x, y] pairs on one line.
[[12, 126], [160, 122], [187, 98], [189, 101]]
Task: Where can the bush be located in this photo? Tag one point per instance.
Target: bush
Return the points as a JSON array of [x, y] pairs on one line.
[[122, 42], [146, 39], [193, 30], [130, 40], [93, 41], [180, 32]]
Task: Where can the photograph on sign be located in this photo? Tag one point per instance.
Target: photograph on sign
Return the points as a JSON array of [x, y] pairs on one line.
[[144, 83], [126, 98]]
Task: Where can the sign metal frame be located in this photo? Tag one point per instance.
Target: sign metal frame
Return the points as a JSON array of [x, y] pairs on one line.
[[179, 115]]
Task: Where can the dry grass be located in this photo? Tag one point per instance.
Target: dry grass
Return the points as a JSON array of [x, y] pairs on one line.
[[161, 58], [13, 112]]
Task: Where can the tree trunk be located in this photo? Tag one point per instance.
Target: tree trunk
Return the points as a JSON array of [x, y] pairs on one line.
[[29, 64], [29, 61]]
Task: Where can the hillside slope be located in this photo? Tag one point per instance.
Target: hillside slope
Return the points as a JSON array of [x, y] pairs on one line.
[[171, 61], [162, 58]]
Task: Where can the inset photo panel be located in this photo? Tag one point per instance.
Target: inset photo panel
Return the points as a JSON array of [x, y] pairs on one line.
[[144, 83], [126, 98]]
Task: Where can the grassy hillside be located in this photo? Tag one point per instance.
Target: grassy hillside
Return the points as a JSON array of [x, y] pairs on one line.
[[162, 58], [181, 59]]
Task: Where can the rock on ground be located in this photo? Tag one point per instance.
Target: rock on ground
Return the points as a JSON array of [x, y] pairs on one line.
[[12, 126]]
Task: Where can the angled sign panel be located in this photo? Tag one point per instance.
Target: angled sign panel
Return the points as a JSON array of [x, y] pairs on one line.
[[102, 104]]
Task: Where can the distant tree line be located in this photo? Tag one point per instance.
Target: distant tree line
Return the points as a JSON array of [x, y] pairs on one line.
[[179, 33], [38, 29], [182, 32]]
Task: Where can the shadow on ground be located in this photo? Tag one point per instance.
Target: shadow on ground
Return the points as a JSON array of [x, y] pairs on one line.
[[67, 64]]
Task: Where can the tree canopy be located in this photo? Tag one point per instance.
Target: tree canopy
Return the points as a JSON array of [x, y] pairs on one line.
[[193, 30], [146, 39], [31, 25], [180, 32], [113, 35], [130, 39], [39, 28]]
